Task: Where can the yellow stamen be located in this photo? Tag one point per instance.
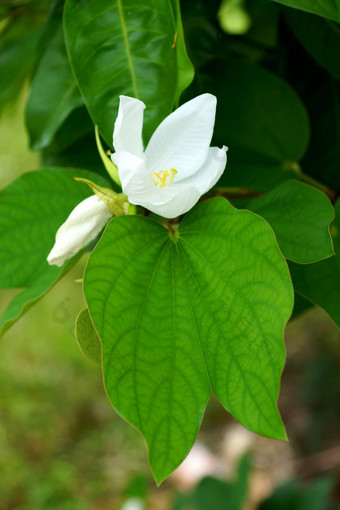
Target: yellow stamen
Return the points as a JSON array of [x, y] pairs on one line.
[[163, 178]]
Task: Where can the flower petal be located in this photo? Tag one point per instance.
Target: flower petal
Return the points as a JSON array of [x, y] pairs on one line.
[[82, 226], [127, 134], [182, 140], [209, 173], [136, 182], [178, 203]]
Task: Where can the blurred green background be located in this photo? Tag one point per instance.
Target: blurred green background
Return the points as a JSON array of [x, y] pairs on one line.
[[63, 447]]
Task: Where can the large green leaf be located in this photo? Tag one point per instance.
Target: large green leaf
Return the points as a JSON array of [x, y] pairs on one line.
[[327, 8], [32, 209], [300, 216], [320, 38], [320, 282], [261, 119], [54, 93], [125, 48], [179, 316]]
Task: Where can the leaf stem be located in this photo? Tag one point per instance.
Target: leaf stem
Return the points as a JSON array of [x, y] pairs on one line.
[[296, 168], [111, 168], [237, 192]]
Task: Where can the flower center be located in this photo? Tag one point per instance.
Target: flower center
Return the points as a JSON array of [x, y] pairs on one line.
[[164, 177]]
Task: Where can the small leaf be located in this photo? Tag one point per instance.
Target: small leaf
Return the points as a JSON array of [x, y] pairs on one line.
[[300, 216], [180, 316], [117, 48], [87, 338], [320, 282], [54, 93], [327, 8]]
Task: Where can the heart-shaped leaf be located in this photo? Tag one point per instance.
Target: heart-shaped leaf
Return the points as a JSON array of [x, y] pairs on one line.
[[186, 314]]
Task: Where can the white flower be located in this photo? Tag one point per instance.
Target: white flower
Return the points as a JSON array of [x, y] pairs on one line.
[[178, 165], [82, 226]]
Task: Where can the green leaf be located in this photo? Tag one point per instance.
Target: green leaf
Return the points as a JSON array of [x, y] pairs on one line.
[[21, 303], [54, 93], [32, 209], [17, 52], [327, 8], [300, 216], [87, 338], [320, 282], [117, 48], [185, 69], [179, 316], [262, 120], [320, 38]]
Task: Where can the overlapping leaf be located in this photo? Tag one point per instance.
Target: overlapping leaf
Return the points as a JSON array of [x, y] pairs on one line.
[[262, 120], [320, 282], [179, 316], [32, 209], [54, 93], [327, 8], [300, 216], [119, 49], [320, 37], [87, 337]]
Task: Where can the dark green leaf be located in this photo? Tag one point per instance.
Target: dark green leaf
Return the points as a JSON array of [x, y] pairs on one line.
[[179, 316], [262, 121], [327, 8], [87, 338], [185, 69], [17, 52], [320, 38], [320, 282], [54, 93], [215, 494], [300, 216], [114, 49]]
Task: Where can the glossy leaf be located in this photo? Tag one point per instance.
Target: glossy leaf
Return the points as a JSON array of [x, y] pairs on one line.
[[300, 216], [185, 69], [262, 120], [320, 38], [179, 316], [87, 338], [54, 93], [327, 8], [117, 48], [320, 282]]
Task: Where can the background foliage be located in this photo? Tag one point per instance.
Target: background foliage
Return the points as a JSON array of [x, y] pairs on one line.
[[274, 69]]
